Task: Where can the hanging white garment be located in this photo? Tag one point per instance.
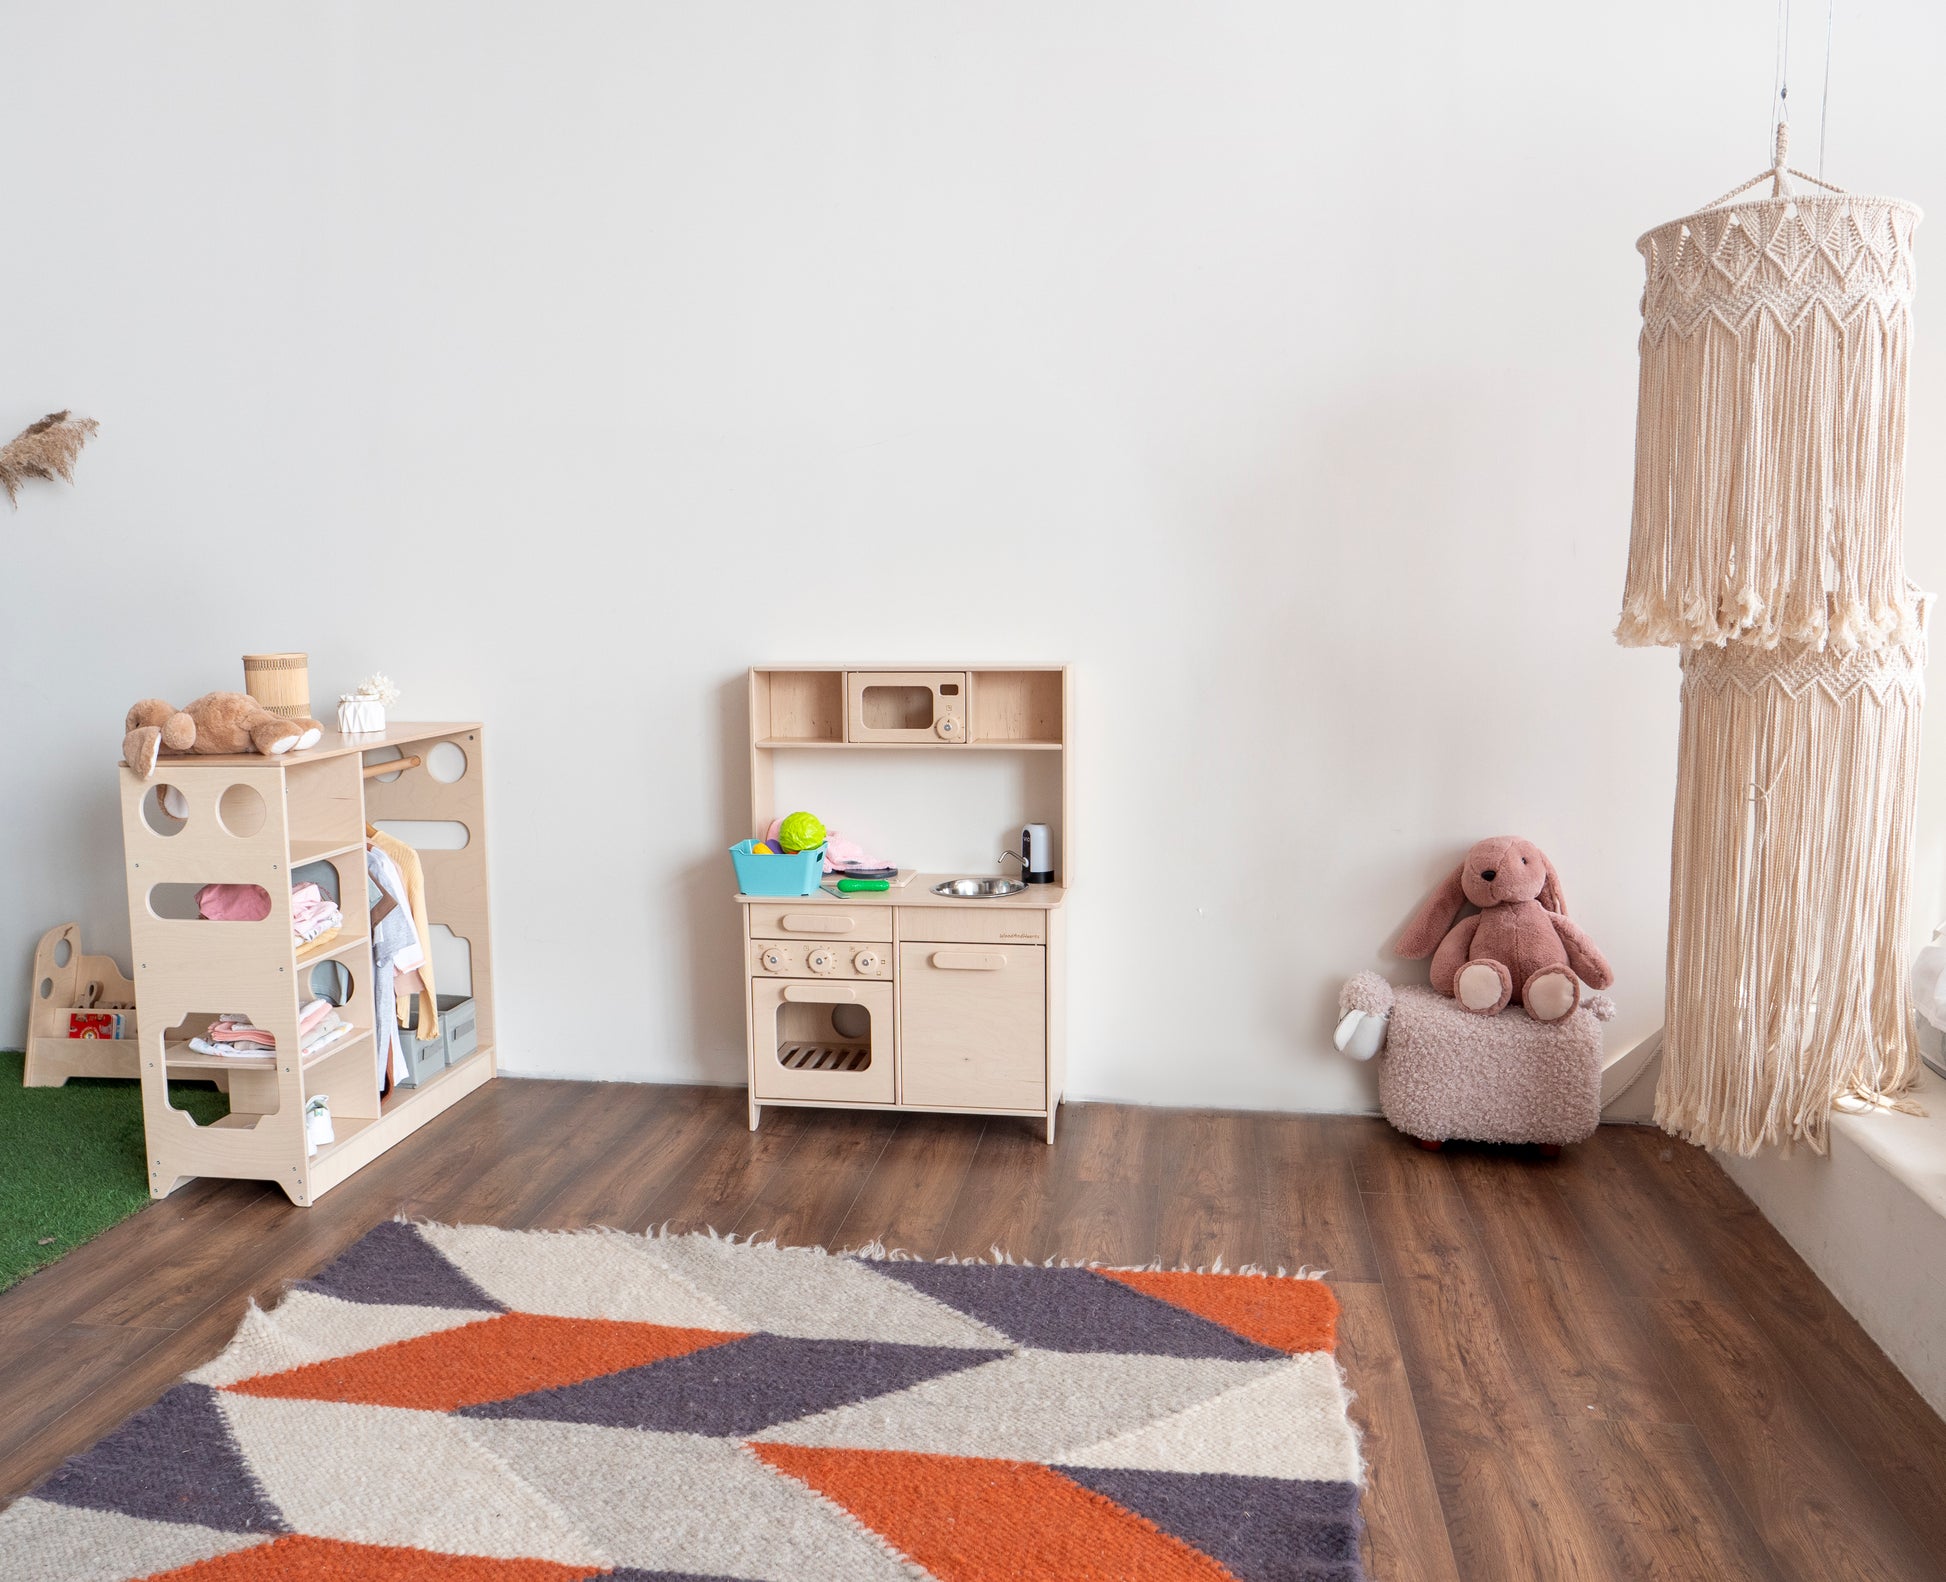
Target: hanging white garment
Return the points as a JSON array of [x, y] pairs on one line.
[[396, 948]]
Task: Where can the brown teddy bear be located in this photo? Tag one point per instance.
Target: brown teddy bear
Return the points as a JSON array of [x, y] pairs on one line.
[[217, 722]]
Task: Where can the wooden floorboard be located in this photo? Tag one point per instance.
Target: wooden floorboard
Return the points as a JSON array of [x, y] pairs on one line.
[[1607, 1366]]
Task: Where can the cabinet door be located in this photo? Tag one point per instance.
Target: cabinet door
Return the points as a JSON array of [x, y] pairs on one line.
[[973, 1026]]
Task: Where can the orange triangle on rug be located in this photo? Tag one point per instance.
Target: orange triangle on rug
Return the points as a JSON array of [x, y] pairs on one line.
[[298, 1558], [500, 1357], [970, 1519], [1286, 1315]]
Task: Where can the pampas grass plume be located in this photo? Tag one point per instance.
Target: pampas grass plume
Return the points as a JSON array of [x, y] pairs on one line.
[[43, 450]]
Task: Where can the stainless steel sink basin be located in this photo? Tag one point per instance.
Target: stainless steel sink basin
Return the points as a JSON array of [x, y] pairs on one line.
[[978, 889]]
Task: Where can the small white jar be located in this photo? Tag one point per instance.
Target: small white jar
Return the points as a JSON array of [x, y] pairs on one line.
[[356, 714]]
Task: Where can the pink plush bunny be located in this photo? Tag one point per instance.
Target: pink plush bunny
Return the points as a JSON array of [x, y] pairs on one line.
[[1520, 948]]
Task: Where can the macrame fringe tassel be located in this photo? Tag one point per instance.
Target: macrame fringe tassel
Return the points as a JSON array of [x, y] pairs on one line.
[[1795, 795], [1771, 427]]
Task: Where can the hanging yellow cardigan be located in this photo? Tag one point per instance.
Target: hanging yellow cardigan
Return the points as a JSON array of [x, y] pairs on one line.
[[415, 898]]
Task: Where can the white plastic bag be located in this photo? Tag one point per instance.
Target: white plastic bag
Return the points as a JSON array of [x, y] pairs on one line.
[[1929, 979]]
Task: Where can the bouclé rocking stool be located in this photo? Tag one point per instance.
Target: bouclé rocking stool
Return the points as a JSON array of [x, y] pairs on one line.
[[1451, 1074]]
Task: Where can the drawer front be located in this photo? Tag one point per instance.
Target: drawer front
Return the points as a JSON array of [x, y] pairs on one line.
[[822, 1041], [973, 925], [819, 958], [973, 1026], [795, 920]]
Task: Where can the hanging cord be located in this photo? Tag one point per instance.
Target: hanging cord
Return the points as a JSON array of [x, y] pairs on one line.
[[1824, 103], [1780, 104], [1780, 82], [1776, 174]]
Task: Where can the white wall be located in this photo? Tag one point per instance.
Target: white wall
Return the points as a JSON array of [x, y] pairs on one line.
[[553, 358]]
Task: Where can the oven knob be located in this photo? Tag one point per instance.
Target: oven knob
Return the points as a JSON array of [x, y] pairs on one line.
[[823, 959], [775, 960], [866, 961], [948, 728]]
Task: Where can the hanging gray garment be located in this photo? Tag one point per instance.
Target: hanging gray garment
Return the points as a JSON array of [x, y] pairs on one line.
[[396, 948]]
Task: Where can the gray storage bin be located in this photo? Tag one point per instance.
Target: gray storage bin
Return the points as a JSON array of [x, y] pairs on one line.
[[458, 1026], [425, 1058], [458, 1037]]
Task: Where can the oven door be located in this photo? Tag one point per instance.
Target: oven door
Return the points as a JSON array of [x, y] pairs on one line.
[[822, 1040]]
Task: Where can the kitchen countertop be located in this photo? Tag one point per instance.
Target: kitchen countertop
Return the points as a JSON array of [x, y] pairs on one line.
[[1035, 898]]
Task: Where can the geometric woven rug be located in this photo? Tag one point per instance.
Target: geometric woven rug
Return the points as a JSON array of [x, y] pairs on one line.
[[465, 1404]]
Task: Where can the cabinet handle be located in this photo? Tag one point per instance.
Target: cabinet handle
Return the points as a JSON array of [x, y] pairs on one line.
[[827, 993], [969, 960], [811, 923]]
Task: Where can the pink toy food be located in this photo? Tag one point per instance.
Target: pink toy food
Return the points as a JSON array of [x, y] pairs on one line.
[[839, 854]]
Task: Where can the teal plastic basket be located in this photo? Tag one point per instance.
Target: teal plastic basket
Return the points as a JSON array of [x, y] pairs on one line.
[[784, 873]]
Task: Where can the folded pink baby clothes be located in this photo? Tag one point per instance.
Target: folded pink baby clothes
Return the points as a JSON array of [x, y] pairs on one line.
[[313, 1014], [233, 903], [228, 1032], [309, 903]]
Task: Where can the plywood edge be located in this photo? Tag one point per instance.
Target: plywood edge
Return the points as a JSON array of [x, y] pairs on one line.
[[333, 744]]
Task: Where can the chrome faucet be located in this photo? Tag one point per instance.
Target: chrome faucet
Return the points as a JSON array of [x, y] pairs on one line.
[[1017, 858]]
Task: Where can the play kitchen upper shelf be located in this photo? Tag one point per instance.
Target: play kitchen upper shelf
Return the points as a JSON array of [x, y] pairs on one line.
[[1020, 708]]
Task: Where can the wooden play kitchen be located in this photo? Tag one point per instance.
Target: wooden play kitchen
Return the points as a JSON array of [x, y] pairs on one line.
[[255, 820], [906, 999]]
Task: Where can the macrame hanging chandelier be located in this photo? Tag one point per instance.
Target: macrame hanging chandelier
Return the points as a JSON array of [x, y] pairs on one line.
[[1768, 546]]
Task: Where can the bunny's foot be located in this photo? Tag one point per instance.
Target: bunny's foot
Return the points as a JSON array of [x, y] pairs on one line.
[[1551, 994], [1484, 987]]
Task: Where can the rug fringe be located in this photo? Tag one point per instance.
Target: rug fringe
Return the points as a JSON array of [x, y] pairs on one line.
[[879, 1252]]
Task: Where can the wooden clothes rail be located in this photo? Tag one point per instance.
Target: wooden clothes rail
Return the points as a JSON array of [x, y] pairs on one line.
[[386, 766]]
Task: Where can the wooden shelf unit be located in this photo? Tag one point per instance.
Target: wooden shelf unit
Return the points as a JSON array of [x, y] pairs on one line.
[[255, 820], [980, 1029]]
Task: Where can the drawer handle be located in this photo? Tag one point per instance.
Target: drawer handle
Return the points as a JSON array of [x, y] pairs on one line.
[[812, 923], [822, 993], [969, 960]]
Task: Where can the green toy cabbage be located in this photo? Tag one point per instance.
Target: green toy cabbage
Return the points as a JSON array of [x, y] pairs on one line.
[[800, 832]]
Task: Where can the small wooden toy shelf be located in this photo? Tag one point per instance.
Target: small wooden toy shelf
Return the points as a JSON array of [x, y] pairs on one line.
[[255, 820]]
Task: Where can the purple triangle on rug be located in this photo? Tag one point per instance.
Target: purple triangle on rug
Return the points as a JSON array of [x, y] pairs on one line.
[[1261, 1529], [630, 1574], [393, 1264], [174, 1462], [742, 1387], [1074, 1310]]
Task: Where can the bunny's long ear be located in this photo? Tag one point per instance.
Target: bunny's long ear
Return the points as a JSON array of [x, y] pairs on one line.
[[1550, 897], [1428, 926]]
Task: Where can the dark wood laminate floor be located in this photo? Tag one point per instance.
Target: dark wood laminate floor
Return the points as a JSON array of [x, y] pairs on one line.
[[1604, 1367]]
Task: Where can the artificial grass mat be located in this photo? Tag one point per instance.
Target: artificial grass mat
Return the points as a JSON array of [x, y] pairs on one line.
[[71, 1160]]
